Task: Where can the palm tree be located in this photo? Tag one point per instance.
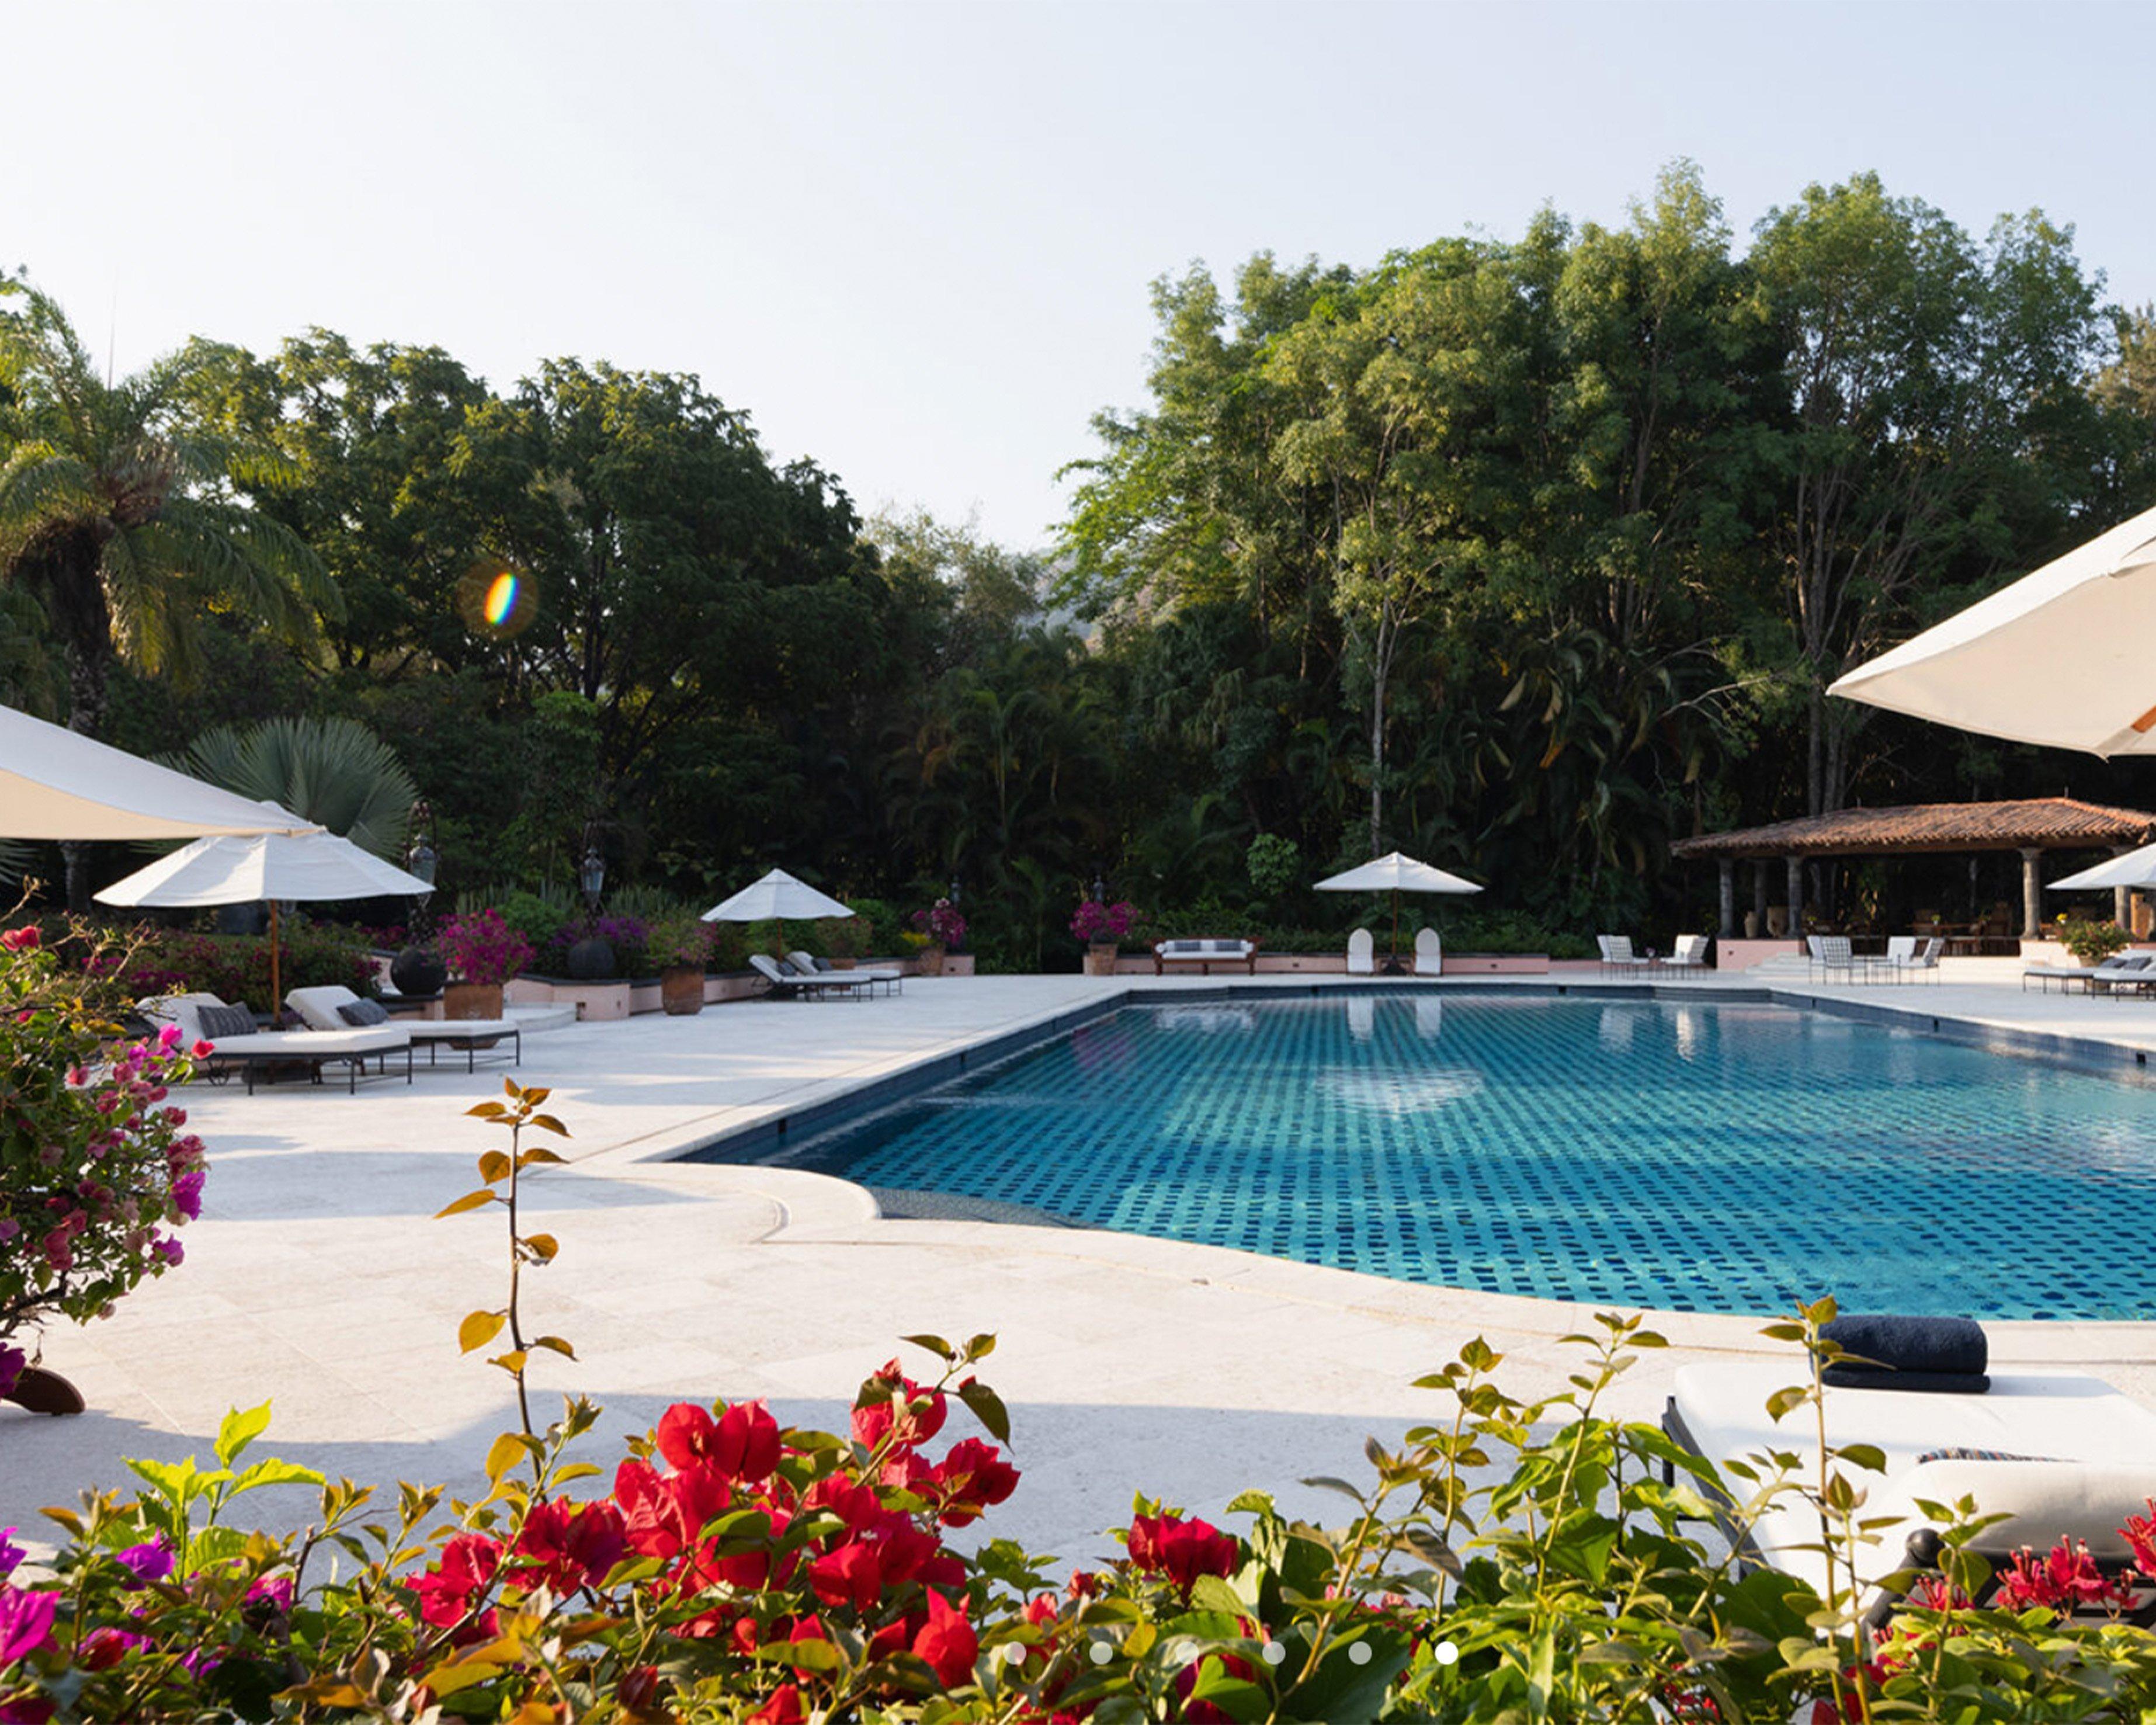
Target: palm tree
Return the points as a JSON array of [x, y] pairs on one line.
[[115, 511], [333, 772]]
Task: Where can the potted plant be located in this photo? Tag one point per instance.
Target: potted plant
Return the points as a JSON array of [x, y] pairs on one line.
[[482, 951], [2090, 942], [943, 930], [680, 945], [1102, 927]]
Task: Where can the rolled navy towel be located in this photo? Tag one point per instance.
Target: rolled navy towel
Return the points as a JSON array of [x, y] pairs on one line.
[[1943, 1355]]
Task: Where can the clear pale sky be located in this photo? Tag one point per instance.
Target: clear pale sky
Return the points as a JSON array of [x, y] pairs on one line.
[[914, 240]]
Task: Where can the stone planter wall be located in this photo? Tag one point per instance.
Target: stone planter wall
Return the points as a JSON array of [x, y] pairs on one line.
[[1497, 964]]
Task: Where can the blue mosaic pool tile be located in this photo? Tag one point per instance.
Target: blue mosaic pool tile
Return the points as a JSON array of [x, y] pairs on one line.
[[1709, 1158]]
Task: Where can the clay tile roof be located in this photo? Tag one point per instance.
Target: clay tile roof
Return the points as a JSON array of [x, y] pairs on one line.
[[2034, 822]]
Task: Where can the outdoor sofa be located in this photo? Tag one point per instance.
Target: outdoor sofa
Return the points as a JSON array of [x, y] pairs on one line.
[[251, 1053], [333, 1007], [2059, 1455], [1204, 954]]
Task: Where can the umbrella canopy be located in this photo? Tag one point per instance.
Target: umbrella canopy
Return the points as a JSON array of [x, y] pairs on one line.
[[273, 866], [777, 897], [54, 784], [2060, 657], [2136, 868], [1397, 873]]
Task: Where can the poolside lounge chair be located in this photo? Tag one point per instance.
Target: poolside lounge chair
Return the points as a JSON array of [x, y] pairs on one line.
[[333, 1007], [1362, 954], [890, 981], [2060, 1455], [1909, 957], [789, 983], [1429, 953], [1618, 956], [1689, 953], [254, 1052], [2125, 967]]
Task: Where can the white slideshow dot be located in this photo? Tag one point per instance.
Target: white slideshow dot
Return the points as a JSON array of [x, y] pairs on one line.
[[1273, 1652], [1100, 1653], [1447, 1654], [1359, 1653], [1014, 1654]]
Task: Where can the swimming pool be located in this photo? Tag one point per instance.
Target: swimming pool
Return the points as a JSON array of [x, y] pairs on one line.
[[1700, 1157]]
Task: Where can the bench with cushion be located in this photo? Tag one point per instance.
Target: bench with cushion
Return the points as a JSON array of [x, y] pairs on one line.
[[1204, 954]]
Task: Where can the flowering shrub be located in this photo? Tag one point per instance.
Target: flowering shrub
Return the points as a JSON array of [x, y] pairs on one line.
[[233, 968], [482, 948], [1096, 921], [96, 1168], [2090, 942], [941, 924], [682, 939], [628, 935]]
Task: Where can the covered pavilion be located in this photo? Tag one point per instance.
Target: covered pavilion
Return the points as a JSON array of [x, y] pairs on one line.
[[2030, 825]]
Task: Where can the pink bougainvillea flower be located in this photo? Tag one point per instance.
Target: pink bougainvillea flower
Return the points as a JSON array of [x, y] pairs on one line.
[[26, 1622], [11, 1554], [1181, 1550], [11, 1359], [947, 1642], [20, 940], [150, 1561], [102, 1649]]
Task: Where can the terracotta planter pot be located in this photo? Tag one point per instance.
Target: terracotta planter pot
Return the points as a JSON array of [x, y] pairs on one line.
[[681, 989], [930, 963], [1100, 958], [472, 1000]]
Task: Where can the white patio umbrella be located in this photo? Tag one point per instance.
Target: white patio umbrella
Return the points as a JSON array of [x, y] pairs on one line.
[[275, 866], [1395, 874], [2060, 657], [2135, 868], [54, 784], [777, 897]]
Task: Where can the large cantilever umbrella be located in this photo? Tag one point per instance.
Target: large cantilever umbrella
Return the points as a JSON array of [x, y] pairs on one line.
[[55, 784], [2135, 868], [2060, 657], [1396, 874], [778, 897], [275, 866]]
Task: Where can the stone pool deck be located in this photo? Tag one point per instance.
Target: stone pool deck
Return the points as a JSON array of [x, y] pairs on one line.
[[317, 1278]]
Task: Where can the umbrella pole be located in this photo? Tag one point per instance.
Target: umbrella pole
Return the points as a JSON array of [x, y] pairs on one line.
[[276, 992]]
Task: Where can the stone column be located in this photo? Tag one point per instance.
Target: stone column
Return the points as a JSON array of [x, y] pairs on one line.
[[1795, 866], [1759, 891], [2122, 897], [2032, 895], [1728, 898]]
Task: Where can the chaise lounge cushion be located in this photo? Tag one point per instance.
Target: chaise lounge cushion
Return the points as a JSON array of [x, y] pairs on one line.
[[361, 1012], [219, 1024]]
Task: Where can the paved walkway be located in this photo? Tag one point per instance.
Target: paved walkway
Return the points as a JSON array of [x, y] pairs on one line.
[[318, 1280]]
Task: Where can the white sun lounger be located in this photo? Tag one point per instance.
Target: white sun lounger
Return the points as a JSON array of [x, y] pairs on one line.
[[264, 1050], [2059, 1454], [323, 1009]]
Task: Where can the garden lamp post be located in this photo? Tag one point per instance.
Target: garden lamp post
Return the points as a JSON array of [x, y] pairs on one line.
[[591, 876], [1100, 890]]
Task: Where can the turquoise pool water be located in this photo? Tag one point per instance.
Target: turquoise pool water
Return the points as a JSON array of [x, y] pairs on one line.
[[1709, 1158]]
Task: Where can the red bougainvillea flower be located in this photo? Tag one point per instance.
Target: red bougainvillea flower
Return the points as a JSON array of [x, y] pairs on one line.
[[947, 1642], [2066, 1579], [468, 1563], [1181, 1550], [852, 1575], [741, 1444], [26, 1622], [572, 1546], [102, 1649], [972, 1476], [784, 1708], [891, 1399], [2139, 1532], [1935, 1593], [20, 940]]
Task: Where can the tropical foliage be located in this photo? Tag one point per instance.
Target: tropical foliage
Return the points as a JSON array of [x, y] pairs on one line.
[[1523, 555]]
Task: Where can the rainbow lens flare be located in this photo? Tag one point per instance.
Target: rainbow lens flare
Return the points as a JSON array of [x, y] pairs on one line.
[[495, 599]]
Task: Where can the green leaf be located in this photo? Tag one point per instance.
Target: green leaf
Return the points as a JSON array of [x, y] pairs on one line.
[[987, 1408], [1782, 1400], [504, 1452], [271, 1471], [238, 1429], [1210, 1593], [935, 1344]]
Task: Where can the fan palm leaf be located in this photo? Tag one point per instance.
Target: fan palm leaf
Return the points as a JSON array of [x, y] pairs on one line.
[[334, 771]]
